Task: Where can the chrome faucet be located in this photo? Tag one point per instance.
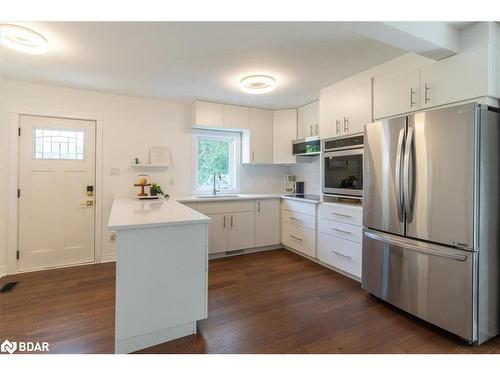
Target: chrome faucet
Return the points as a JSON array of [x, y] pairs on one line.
[[216, 174]]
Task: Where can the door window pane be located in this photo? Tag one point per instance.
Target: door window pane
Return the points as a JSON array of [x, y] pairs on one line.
[[59, 144]]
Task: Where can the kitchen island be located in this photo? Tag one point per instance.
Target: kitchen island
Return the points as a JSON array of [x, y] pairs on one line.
[[161, 271]]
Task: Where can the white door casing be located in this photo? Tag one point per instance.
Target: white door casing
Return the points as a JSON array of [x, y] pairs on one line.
[[56, 226]]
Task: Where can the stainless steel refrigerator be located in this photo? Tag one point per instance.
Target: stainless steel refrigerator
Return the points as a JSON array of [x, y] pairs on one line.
[[431, 217]]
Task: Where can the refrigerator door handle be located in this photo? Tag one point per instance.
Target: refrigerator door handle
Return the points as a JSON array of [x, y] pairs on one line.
[[408, 175], [425, 249], [397, 174]]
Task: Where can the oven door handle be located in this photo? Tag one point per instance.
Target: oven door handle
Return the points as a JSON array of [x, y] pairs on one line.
[[355, 151]]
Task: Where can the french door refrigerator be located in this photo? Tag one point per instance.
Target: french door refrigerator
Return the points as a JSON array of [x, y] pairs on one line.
[[431, 217]]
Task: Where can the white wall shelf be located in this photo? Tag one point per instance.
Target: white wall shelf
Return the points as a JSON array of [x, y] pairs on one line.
[[149, 165]]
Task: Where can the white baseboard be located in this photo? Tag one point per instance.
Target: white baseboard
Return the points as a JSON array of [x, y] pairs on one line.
[[3, 271], [108, 258], [243, 252]]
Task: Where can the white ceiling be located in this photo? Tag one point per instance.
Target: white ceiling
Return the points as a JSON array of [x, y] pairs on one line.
[[198, 60]]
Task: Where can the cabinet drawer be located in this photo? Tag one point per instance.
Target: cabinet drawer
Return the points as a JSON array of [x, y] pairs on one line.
[[344, 213], [299, 238], [300, 207], [298, 219], [346, 231], [339, 253], [223, 207]]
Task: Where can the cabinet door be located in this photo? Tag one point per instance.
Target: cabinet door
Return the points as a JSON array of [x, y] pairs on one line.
[[284, 132], [261, 136], [236, 117], [356, 97], [460, 77], [267, 222], [241, 230], [217, 233], [308, 120], [330, 112], [396, 94], [207, 114]]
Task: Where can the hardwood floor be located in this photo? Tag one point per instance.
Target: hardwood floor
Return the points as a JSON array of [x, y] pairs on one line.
[[271, 302]]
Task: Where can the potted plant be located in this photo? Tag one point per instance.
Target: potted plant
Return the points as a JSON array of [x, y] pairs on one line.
[[156, 190]]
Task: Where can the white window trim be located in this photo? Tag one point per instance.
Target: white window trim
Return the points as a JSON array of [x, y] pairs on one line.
[[218, 134]]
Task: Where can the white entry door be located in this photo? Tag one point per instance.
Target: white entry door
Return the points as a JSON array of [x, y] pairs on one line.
[[56, 216]]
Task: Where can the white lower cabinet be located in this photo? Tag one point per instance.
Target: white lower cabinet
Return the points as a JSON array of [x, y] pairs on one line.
[[240, 230], [298, 226], [232, 226], [340, 253], [217, 233], [299, 238], [340, 237], [241, 224], [267, 222]]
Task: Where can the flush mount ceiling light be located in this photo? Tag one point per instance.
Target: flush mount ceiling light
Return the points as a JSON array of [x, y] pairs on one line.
[[257, 84], [22, 39]]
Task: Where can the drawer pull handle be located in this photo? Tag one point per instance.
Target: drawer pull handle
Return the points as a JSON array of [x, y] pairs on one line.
[[343, 215], [296, 238], [295, 219], [342, 255], [342, 231]]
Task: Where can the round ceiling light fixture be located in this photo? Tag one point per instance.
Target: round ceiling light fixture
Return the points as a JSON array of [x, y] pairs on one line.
[[258, 84], [22, 39]]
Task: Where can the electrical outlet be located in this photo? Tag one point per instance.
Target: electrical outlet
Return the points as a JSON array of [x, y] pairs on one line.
[[112, 236], [115, 172]]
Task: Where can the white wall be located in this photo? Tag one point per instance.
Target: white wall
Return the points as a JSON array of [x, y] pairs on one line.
[[130, 125], [3, 180]]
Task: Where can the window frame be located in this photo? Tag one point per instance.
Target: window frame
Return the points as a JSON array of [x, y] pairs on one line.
[[234, 159]]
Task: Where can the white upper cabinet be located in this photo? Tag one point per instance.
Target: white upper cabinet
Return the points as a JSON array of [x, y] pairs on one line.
[[345, 107], [284, 132], [356, 105], [460, 77], [208, 114], [464, 76], [396, 94], [330, 112], [308, 120], [258, 142], [236, 117]]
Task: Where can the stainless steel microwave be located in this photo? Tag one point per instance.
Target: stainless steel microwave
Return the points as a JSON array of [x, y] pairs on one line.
[[343, 165]]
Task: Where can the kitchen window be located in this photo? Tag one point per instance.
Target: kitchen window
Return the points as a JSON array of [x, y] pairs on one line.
[[216, 151]]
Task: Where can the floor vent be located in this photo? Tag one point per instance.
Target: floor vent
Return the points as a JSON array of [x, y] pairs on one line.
[[8, 287]]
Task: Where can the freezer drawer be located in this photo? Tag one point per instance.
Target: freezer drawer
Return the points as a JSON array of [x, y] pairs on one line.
[[432, 282]]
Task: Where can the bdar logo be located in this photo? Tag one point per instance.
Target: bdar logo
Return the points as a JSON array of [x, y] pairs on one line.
[[8, 347]]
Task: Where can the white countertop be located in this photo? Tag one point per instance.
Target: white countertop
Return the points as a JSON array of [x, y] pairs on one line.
[[225, 197], [292, 198], [128, 213]]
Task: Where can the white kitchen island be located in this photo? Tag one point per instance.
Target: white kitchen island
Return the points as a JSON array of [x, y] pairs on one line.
[[161, 271]]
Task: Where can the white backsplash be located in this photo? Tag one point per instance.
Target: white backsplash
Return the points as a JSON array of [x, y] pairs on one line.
[[308, 169]]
